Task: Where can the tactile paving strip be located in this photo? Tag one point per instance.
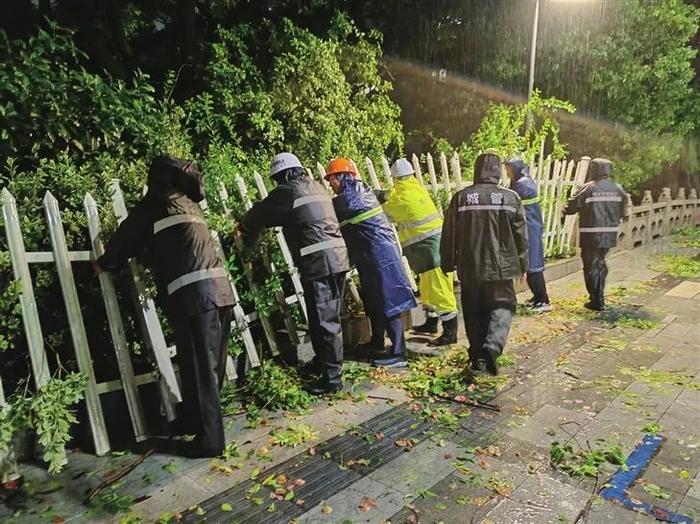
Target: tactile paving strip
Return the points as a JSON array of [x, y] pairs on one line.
[[326, 473]]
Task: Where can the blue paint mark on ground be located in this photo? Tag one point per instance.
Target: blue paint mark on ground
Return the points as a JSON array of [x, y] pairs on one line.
[[622, 480]]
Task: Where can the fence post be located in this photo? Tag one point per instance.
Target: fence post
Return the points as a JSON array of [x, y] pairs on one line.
[[268, 328], [116, 325], [20, 268], [322, 175], [387, 172], [431, 172], [372, 174], [445, 174], [75, 322], [238, 314], [148, 318], [456, 171], [416, 168], [568, 182]]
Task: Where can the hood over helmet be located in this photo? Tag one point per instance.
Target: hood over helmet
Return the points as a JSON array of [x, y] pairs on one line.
[[487, 169], [599, 168], [519, 168], [168, 175]]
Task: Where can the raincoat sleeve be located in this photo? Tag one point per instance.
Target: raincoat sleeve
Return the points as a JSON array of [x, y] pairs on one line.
[[382, 195], [274, 210], [575, 203], [128, 240], [448, 258], [519, 228]]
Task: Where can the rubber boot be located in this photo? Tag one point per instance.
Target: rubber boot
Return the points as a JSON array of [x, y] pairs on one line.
[[430, 326], [449, 333]]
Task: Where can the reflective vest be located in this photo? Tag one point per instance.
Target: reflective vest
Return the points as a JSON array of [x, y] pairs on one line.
[[410, 207]]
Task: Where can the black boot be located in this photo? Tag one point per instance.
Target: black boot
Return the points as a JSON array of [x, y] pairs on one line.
[[323, 387], [430, 326], [449, 334]]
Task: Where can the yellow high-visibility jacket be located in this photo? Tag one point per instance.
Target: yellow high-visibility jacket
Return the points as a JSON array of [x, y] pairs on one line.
[[418, 222]]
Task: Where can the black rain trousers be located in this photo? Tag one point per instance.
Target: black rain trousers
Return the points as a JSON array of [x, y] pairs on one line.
[[324, 300], [488, 309], [202, 348], [595, 270]]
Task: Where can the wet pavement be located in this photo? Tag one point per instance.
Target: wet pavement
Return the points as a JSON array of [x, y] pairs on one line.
[[578, 393]]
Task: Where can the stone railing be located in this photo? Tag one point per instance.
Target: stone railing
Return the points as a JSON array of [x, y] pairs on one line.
[[651, 220]]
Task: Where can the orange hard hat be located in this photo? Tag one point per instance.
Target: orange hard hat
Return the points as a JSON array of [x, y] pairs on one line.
[[342, 165]]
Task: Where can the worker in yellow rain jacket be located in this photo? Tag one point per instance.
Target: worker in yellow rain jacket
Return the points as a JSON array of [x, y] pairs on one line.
[[419, 225]]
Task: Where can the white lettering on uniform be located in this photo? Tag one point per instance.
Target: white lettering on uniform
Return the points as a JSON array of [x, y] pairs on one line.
[[472, 199], [497, 199]]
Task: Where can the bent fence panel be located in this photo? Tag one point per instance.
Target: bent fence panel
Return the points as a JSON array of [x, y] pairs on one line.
[[148, 319], [116, 326], [75, 323], [286, 253], [279, 294]]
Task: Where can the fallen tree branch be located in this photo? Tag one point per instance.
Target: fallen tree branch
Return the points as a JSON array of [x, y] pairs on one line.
[[114, 477], [467, 402]]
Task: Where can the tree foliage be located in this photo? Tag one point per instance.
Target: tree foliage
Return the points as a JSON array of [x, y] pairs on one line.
[[507, 130], [67, 129]]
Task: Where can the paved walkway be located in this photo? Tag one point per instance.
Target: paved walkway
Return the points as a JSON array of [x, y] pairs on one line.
[[596, 385]]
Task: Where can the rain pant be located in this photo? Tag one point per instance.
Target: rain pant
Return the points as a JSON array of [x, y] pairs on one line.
[[601, 204], [419, 226], [384, 286], [304, 210], [485, 238], [169, 234]]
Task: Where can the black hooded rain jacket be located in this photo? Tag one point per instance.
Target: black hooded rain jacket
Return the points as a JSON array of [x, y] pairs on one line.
[[484, 235], [601, 203], [167, 231]]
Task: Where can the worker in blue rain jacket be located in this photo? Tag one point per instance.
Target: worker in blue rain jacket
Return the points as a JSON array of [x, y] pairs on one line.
[[384, 287], [526, 188]]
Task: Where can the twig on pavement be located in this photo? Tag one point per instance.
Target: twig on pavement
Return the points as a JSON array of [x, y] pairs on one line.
[[111, 479], [583, 514], [468, 402]]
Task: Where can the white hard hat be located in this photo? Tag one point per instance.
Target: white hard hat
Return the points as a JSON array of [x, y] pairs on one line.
[[283, 161], [401, 168]]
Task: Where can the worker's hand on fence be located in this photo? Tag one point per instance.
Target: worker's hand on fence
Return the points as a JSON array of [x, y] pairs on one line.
[[96, 269]]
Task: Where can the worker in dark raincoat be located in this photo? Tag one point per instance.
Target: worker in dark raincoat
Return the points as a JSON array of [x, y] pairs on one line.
[[601, 203], [169, 234], [384, 287], [522, 183], [485, 238], [304, 210]]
